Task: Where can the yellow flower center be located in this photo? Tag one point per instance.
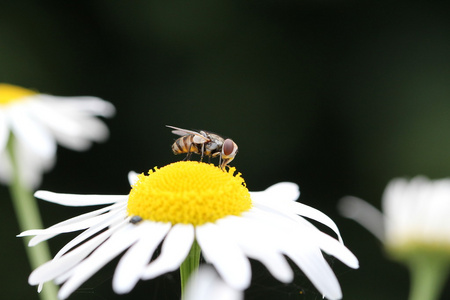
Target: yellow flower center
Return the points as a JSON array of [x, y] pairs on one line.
[[188, 192], [10, 93]]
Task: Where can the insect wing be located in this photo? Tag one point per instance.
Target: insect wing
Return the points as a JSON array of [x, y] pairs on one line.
[[198, 137], [181, 131]]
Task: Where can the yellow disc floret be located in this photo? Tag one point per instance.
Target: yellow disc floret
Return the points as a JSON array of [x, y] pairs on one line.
[[10, 93], [188, 192]]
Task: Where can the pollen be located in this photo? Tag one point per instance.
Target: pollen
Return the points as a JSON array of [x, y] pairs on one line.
[[189, 192], [10, 93]]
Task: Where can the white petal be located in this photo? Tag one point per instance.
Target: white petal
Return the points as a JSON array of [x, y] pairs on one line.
[[174, 251], [332, 247], [62, 265], [317, 215], [86, 105], [117, 243], [44, 234], [110, 231], [312, 263], [32, 133], [4, 130], [207, 285], [71, 129], [289, 208], [300, 227], [51, 269], [53, 231], [30, 164], [79, 200], [298, 241], [256, 240], [77, 143], [287, 191], [94, 129], [221, 251], [131, 265], [54, 119], [364, 213], [132, 177], [112, 219]]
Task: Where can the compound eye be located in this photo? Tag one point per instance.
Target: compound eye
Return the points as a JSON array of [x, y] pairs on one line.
[[228, 147]]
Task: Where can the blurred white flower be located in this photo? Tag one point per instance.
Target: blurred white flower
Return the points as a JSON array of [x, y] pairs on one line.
[[183, 202], [38, 122], [414, 227], [206, 285], [416, 213]]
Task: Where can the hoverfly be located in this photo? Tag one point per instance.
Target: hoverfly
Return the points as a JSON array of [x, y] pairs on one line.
[[204, 143]]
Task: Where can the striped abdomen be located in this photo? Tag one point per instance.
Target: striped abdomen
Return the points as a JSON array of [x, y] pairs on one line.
[[183, 144]]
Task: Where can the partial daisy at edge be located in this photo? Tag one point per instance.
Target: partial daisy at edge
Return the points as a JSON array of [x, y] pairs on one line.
[[414, 227], [185, 201], [415, 213], [34, 123]]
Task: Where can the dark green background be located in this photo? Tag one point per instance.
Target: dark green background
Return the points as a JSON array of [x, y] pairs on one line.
[[337, 96]]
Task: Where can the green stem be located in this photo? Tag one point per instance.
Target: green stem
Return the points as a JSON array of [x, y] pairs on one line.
[[27, 212], [428, 276], [189, 266]]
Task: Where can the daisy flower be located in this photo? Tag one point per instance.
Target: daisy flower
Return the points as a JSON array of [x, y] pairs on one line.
[[414, 228], [38, 122], [184, 204]]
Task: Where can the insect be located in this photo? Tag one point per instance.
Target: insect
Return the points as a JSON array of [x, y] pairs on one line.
[[204, 143], [135, 219]]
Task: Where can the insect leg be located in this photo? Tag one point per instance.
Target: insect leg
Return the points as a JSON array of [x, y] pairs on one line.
[[188, 156], [203, 151]]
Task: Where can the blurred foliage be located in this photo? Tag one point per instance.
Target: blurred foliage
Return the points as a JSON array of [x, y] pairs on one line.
[[337, 96]]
